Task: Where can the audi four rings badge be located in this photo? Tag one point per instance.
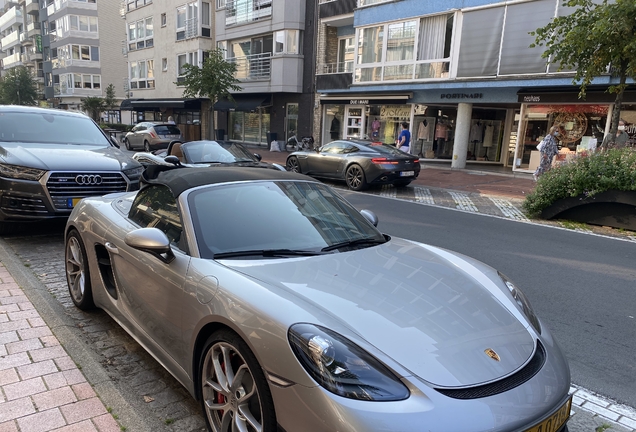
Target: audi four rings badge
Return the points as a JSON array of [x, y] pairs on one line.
[[86, 179]]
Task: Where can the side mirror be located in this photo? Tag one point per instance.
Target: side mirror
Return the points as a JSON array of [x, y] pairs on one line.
[[370, 216], [114, 141], [172, 159], [257, 156], [150, 240]]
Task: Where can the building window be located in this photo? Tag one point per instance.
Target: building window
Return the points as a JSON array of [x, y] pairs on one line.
[[183, 59], [134, 4], [187, 21], [164, 64], [244, 11], [287, 42], [140, 34], [164, 20], [220, 4], [142, 74], [414, 49], [78, 81]]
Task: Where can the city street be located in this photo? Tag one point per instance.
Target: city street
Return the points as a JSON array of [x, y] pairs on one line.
[[580, 285]]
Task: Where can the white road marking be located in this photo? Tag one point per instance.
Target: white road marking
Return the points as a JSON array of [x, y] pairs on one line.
[[388, 191], [508, 209], [463, 202], [423, 195]]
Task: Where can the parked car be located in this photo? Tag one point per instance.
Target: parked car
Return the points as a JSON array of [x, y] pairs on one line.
[[279, 306], [50, 159], [151, 136], [359, 163], [205, 153]]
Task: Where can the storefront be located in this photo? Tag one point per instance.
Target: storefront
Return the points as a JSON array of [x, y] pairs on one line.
[[186, 113], [585, 123], [432, 118]]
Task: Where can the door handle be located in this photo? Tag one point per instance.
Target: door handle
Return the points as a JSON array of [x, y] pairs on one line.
[[111, 248]]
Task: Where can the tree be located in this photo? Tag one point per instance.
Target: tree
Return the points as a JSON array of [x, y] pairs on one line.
[[593, 38], [93, 106], [18, 87], [214, 80], [110, 101]]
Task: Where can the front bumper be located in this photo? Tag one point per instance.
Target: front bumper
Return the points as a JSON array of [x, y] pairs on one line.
[[519, 409], [53, 196]]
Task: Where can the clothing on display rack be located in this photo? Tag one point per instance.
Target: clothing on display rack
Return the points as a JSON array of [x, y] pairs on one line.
[[476, 131], [441, 135], [423, 130]]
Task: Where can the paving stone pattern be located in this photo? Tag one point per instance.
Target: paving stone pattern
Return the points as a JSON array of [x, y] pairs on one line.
[[122, 357]]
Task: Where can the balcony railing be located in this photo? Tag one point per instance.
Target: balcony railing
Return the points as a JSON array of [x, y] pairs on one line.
[[253, 67], [58, 5], [334, 68], [421, 70], [244, 11], [11, 39], [11, 17], [58, 63], [63, 90], [12, 60]]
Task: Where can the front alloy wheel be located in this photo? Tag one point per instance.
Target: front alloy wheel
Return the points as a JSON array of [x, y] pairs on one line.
[[293, 165], [77, 272], [235, 395]]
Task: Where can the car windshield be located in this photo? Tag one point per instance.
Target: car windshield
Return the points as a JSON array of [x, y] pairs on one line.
[[212, 151], [49, 128], [293, 216], [167, 130]]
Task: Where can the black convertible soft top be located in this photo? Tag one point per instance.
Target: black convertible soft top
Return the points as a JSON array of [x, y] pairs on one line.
[[180, 179]]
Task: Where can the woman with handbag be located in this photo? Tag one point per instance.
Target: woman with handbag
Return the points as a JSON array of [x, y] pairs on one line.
[[548, 148]]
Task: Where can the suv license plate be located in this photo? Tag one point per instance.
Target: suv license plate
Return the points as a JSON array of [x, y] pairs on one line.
[[407, 173]]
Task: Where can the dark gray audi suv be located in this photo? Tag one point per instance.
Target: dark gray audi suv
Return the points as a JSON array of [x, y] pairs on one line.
[[50, 159]]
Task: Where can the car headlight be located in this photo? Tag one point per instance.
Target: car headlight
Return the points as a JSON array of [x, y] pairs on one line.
[[134, 173], [20, 172], [342, 367], [523, 302]]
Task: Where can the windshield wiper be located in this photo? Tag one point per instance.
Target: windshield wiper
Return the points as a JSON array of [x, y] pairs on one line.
[[266, 253], [357, 242]]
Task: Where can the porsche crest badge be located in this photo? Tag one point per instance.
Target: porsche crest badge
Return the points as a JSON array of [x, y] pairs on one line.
[[492, 354]]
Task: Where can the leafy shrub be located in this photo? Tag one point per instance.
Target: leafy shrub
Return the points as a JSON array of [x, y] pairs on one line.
[[587, 176], [119, 126]]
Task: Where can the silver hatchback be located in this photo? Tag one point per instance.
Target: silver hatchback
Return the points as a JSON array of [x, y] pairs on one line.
[[151, 136]]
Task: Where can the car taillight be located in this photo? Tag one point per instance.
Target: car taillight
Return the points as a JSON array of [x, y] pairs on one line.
[[152, 134], [416, 161], [384, 161]]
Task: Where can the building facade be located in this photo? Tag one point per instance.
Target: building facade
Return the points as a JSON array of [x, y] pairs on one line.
[[160, 37], [81, 50], [272, 44], [469, 91], [21, 39]]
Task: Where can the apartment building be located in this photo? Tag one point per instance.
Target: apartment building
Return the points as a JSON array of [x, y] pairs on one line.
[[272, 44], [20, 38], [81, 49], [161, 36], [461, 74]]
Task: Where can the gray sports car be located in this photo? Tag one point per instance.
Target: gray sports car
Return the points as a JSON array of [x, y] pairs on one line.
[[282, 308], [359, 163]]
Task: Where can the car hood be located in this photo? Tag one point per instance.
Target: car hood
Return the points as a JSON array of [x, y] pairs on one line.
[[434, 312], [54, 157]]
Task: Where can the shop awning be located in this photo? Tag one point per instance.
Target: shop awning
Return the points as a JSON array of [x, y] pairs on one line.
[[243, 103], [151, 104]]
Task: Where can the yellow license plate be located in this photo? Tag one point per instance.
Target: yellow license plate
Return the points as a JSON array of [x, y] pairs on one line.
[[555, 421], [72, 202]]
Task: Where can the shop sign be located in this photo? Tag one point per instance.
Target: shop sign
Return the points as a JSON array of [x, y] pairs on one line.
[[402, 112], [462, 96], [359, 102], [531, 99]]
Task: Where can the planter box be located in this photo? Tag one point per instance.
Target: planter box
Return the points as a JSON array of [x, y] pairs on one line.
[[611, 208]]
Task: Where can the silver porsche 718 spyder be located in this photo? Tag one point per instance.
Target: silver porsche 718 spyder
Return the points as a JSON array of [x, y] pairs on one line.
[[280, 307]]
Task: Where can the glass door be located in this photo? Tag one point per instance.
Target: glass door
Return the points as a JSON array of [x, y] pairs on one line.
[[291, 121]]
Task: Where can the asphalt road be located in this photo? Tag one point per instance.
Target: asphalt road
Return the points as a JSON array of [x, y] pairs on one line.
[[582, 286]]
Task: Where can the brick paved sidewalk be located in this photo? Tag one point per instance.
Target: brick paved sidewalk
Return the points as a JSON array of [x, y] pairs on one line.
[[41, 388]]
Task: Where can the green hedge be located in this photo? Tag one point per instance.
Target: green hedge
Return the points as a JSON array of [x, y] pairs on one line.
[[585, 175]]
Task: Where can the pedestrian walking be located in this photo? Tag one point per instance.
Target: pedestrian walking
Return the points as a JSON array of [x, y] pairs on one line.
[[404, 139], [621, 137], [548, 148]]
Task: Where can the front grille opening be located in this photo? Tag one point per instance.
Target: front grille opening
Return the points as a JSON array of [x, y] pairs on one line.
[[501, 386], [63, 187]]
